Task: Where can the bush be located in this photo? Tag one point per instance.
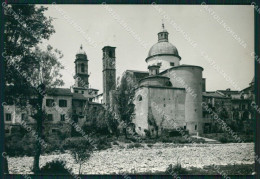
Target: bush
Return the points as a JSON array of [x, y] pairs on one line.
[[176, 169], [55, 167], [150, 141], [147, 133], [15, 145], [149, 145], [103, 144], [166, 140], [115, 143], [54, 143], [135, 145], [223, 139]]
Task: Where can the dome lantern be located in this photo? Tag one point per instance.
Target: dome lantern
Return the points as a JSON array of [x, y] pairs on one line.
[[163, 35], [81, 51]]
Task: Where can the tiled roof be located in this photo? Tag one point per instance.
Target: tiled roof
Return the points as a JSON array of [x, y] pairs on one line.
[[95, 103], [136, 71], [79, 96], [213, 94], [228, 92], [59, 91]]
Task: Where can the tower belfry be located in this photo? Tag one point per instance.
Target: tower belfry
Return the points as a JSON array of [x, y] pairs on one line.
[[109, 72], [81, 69]]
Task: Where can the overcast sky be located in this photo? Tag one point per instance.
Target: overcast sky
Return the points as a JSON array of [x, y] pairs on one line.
[[145, 21]]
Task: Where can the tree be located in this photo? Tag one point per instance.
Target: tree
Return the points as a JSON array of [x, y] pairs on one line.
[[45, 76], [29, 71], [112, 122], [81, 150], [125, 100], [25, 27]]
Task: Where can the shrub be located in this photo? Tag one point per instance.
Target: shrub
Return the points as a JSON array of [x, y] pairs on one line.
[[149, 145], [16, 145], [55, 167], [135, 145], [166, 140], [147, 133], [103, 144], [150, 141], [223, 139], [198, 140], [176, 169], [115, 143], [54, 143]]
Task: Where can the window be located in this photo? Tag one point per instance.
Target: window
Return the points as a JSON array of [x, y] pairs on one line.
[[82, 66], [54, 130], [172, 64], [49, 102], [76, 91], [184, 127], [195, 127], [8, 117], [23, 117], [164, 105], [80, 103], [243, 107], [139, 98], [7, 131], [110, 54], [159, 64], [62, 103], [82, 92], [62, 117], [50, 117]]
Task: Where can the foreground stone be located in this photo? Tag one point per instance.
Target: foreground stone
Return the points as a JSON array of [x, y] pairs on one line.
[[153, 159]]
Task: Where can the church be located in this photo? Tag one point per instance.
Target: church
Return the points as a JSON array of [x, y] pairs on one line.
[[169, 95], [166, 92]]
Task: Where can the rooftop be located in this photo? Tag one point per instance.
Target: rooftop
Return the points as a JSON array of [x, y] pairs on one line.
[[213, 95], [59, 92]]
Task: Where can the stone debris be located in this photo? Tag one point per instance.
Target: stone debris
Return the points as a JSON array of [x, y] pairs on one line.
[[140, 160]]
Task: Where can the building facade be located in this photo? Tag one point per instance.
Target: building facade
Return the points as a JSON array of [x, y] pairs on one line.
[[60, 104]]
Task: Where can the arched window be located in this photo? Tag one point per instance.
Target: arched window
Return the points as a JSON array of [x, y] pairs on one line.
[[168, 83], [139, 98], [82, 67]]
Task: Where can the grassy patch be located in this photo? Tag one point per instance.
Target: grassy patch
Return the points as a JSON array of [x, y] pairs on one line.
[[228, 170], [226, 138], [135, 145]]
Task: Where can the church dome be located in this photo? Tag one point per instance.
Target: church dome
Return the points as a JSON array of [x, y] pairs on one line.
[[163, 48]]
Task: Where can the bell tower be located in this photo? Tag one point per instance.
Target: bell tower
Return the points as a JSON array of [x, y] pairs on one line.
[[109, 72], [81, 69]]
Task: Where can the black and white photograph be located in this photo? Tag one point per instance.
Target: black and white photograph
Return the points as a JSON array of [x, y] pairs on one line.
[[129, 89]]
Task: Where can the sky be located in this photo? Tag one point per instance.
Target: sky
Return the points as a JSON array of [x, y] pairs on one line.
[[145, 21]]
